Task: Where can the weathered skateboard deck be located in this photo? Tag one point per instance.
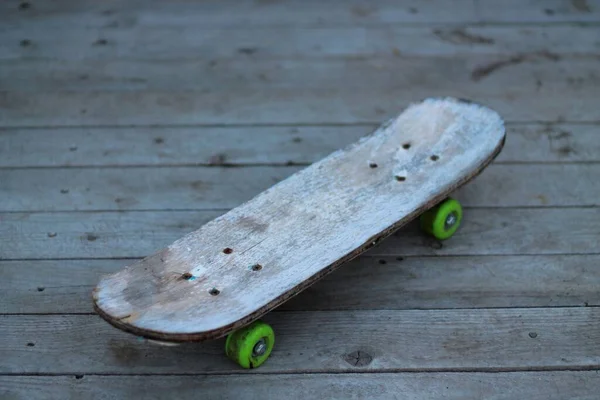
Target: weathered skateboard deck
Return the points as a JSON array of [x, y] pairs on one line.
[[246, 262]]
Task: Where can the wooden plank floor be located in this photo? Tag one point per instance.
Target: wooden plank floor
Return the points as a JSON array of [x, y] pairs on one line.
[[125, 125]]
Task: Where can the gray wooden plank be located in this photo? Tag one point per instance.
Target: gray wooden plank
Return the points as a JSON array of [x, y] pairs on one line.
[[475, 75], [546, 385], [247, 13], [137, 188], [278, 145], [56, 235], [319, 91], [181, 145], [59, 286], [112, 14], [197, 188], [193, 42], [509, 231], [388, 340], [534, 185], [65, 286], [551, 143], [501, 231]]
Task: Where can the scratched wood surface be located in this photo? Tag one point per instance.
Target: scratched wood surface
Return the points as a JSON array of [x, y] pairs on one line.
[[89, 100]]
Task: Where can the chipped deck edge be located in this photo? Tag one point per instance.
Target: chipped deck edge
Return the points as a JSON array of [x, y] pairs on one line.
[[372, 241]]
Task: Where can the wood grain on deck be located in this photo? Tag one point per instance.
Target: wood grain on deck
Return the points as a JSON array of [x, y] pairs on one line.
[[172, 115]]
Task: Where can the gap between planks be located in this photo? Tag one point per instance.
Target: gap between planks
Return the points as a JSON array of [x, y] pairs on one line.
[[224, 210], [134, 258], [325, 124], [277, 310], [247, 165], [253, 374]]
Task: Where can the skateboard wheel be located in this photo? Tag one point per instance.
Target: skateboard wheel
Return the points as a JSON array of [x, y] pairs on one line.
[[443, 220], [250, 346]]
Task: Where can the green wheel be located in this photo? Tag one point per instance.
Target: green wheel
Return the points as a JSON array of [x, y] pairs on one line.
[[443, 220], [250, 346]]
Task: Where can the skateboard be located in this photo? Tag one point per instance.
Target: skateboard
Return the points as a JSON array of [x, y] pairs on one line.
[[220, 279]]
